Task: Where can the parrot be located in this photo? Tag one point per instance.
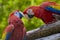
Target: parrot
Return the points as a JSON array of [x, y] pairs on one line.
[[42, 12], [15, 29]]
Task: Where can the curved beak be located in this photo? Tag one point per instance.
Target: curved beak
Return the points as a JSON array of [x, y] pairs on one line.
[[19, 14]]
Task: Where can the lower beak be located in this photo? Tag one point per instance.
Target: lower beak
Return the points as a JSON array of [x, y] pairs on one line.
[[26, 16]]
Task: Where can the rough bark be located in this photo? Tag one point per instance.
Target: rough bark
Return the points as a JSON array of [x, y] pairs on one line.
[[51, 37], [44, 31]]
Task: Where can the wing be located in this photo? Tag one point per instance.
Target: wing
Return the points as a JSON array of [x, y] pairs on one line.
[[7, 33], [52, 9], [24, 30]]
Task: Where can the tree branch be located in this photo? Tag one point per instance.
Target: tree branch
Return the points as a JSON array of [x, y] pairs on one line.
[[46, 30]]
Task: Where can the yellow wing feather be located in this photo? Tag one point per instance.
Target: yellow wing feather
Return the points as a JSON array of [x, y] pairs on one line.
[[4, 36], [56, 7]]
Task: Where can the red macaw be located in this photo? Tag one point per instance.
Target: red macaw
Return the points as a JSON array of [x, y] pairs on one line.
[[15, 30], [42, 12]]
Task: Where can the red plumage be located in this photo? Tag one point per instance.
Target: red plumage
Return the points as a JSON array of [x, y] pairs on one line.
[[40, 12], [19, 29]]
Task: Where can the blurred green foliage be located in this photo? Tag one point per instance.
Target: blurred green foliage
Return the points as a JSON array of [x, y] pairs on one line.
[[7, 6]]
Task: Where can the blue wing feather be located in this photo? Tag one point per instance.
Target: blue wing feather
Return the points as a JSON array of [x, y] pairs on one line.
[[8, 36], [52, 9], [25, 38], [7, 32]]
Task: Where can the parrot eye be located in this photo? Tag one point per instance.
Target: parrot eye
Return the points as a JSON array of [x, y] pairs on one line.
[[30, 12], [16, 14]]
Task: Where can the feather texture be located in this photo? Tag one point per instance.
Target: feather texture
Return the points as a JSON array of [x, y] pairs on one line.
[[7, 33], [50, 8]]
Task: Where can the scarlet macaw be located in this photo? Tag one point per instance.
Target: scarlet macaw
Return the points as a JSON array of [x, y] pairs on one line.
[[15, 29], [42, 12]]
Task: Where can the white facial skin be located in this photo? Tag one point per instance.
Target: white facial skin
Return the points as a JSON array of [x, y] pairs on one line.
[[17, 14], [30, 12]]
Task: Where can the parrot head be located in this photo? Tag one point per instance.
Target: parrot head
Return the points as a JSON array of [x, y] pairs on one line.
[[17, 13], [15, 18], [31, 11], [28, 13]]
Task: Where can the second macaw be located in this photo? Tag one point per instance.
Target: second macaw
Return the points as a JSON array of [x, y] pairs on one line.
[[15, 29]]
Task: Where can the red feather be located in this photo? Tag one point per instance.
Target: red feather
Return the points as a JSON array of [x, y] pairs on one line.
[[40, 12]]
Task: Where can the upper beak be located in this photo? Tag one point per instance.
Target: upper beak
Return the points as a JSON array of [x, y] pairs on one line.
[[21, 15]]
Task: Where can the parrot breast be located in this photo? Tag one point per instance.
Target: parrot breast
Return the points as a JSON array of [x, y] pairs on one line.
[[18, 32]]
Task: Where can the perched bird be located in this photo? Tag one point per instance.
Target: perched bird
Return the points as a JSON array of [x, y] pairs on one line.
[[41, 12], [15, 29]]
